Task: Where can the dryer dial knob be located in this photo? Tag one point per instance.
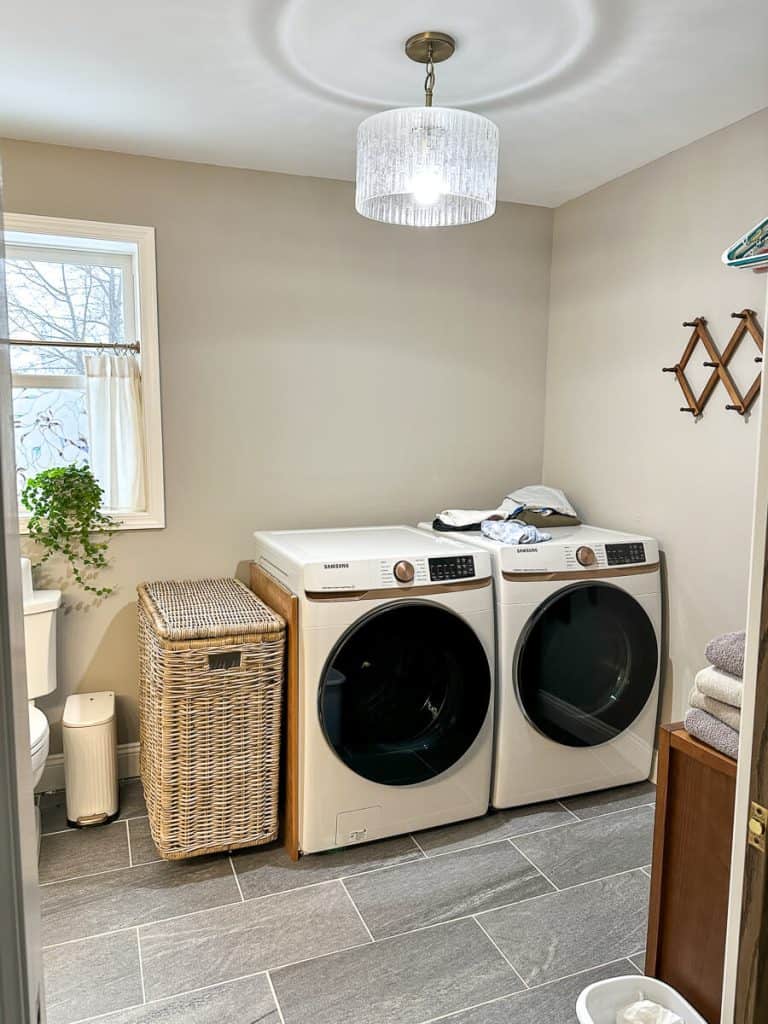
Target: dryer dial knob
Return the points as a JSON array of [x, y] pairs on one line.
[[585, 556], [403, 572]]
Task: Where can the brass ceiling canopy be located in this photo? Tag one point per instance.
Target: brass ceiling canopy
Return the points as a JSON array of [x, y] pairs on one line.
[[434, 46]]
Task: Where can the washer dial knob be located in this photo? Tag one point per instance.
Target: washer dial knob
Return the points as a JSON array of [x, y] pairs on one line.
[[403, 572], [585, 556]]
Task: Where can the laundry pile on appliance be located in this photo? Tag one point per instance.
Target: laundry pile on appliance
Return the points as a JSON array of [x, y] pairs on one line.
[[517, 520], [714, 714]]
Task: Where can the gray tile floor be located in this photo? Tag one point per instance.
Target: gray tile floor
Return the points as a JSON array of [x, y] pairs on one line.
[[500, 920]]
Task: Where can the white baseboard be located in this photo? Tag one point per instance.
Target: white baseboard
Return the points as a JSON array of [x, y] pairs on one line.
[[53, 773]]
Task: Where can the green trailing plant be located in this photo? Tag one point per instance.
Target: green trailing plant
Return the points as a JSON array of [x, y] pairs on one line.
[[66, 519]]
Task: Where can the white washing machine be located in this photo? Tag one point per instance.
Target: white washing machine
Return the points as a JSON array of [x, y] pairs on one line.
[[396, 668], [578, 640]]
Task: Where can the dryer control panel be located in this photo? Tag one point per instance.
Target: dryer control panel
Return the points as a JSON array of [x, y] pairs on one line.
[[625, 554], [455, 567]]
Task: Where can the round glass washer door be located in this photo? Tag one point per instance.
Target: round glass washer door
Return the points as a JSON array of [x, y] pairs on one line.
[[405, 693], [586, 664]]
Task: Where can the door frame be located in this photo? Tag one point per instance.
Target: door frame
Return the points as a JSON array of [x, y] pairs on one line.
[[745, 989], [21, 997]]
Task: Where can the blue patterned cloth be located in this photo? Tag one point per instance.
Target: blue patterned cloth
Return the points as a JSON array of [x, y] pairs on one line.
[[512, 531]]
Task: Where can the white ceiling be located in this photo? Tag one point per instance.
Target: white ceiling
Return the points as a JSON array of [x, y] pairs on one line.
[[582, 90]]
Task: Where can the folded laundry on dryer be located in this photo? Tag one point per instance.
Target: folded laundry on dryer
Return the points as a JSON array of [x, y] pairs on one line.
[[534, 505], [536, 502], [513, 532], [466, 518]]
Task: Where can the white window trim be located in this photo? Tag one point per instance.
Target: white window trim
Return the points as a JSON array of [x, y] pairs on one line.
[[145, 293]]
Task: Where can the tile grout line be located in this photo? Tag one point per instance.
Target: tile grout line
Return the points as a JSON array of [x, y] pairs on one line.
[[501, 839], [546, 877], [331, 881], [363, 945], [568, 809], [141, 968], [369, 871], [357, 909], [237, 880], [506, 906], [418, 844], [593, 818], [474, 1006], [176, 995], [130, 851], [74, 831], [511, 995], [91, 874], [493, 942], [575, 974], [274, 996]]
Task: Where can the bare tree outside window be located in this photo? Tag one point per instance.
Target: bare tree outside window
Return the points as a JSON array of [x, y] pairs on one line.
[[58, 299]]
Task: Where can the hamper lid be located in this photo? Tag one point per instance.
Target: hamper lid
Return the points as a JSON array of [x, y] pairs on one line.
[[198, 609]]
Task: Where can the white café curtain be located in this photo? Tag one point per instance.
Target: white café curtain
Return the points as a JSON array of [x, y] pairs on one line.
[[116, 428]]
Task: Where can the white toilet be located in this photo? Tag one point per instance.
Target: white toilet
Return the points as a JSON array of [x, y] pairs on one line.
[[40, 608]]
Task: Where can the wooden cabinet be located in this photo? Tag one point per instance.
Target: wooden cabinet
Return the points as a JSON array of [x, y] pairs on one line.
[[691, 867]]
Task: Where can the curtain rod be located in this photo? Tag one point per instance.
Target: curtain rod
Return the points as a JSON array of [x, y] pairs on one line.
[[133, 346]]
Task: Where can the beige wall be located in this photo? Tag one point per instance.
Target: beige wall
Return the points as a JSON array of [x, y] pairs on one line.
[[632, 260], [317, 369]]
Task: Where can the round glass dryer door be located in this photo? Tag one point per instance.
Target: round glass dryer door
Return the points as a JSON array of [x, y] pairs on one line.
[[405, 693], [586, 664]]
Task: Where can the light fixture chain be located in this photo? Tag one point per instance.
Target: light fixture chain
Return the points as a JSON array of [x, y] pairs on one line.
[[429, 81]]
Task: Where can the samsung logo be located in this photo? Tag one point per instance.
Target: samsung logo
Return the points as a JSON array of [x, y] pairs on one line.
[[526, 551], [336, 565]]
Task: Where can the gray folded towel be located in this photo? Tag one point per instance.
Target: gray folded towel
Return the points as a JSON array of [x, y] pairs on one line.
[[726, 652], [722, 712], [715, 734]]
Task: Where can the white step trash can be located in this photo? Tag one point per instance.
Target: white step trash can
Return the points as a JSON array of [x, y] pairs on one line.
[[90, 758]]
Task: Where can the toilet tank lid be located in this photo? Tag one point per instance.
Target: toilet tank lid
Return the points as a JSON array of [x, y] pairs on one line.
[[42, 601], [83, 709]]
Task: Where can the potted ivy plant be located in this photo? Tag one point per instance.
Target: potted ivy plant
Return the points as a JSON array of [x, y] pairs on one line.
[[66, 519]]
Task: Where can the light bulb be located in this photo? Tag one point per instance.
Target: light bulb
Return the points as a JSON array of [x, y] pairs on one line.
[[427, 186]]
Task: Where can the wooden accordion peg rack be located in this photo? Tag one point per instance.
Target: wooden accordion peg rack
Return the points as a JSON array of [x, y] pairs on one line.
[[739, 403]]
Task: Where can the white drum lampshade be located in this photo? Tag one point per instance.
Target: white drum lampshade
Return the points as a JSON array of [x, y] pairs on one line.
[[427, 167]]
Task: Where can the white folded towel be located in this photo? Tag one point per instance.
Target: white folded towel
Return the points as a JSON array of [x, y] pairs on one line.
[[717, 708], [723, 687]]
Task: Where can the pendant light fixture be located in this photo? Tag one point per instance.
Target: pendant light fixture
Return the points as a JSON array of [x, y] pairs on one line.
[[427, 166]]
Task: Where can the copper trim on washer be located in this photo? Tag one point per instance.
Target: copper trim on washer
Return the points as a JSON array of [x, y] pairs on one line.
[[369, 595], [590, 574]]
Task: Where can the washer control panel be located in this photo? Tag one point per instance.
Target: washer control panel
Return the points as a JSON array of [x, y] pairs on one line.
[[625, 554], [455, 567]]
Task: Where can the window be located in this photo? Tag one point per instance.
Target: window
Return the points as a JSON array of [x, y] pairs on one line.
[[95, 396]]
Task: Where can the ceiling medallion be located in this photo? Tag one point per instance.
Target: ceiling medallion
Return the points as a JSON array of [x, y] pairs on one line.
[[427, 166]]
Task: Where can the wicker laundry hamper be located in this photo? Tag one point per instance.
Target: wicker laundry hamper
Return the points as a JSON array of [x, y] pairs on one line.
[[210, 694]]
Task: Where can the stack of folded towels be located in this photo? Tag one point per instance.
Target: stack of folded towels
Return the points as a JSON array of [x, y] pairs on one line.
[[714, 715]]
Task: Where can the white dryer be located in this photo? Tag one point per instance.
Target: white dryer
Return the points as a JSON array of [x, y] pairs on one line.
[[578, 641], [396, 668]]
